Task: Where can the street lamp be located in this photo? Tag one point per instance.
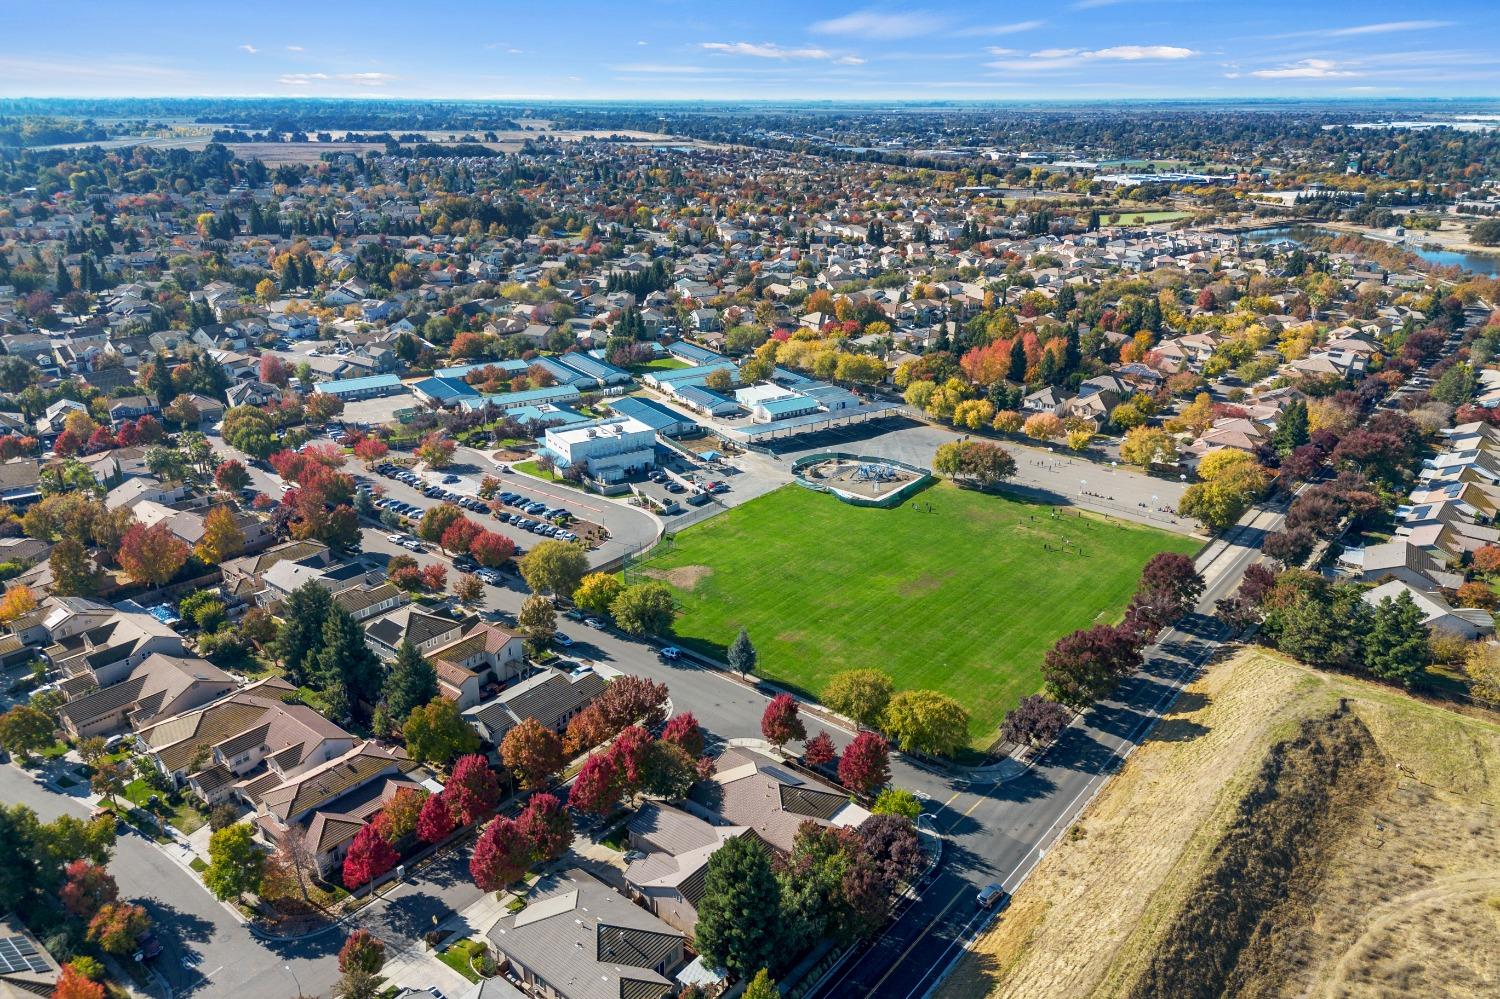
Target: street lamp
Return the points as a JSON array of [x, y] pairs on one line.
[[289, 971]]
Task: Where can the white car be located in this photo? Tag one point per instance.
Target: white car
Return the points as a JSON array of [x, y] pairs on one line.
[[562, 639], [395, 539], [413, 545]]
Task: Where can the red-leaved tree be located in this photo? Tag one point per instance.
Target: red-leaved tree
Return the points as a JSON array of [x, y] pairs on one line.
[[596, 788], [152, 555], [545, 825], [472, 790], [362, 951], [490, 549], [436, 819], [629, 699], [369, 857], [684, 730], [781, 723], [818, 751], [501, 855], [866, 763], [88, 888]]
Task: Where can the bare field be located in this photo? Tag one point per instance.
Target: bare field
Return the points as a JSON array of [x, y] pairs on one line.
[[1332, 853]]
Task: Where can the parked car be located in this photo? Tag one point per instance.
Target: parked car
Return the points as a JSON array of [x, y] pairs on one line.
[[562, 639], [671, 653], [990, 896], [395, 539], [413, 545], [594, 622]]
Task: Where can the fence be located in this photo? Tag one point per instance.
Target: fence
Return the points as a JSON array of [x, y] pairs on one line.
[[922, 477]]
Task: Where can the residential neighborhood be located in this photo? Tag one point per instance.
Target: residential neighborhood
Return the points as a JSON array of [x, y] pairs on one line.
[[600, 550]]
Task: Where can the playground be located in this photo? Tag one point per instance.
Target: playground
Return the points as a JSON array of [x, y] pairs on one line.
[[952, 590], [860, 479]]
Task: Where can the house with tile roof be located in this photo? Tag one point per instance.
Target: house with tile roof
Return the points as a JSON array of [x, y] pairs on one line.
[[577, 938], [673, 848], [486, 655], [753, 790], [159, 687], [550, 696], [331, 801]]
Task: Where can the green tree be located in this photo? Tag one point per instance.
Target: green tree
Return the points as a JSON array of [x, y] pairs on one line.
[[897, 801], [742, 654], [762, 987], [739, 913], [302, 619], [554, 567], [1291, 428], [644, 609], [411, 682], [346, 666], [24, 731], [597, 591], [1397, 647], [74, 573], [926, 721], [861, 694], [235, 863], [437, 733], [538, 619]]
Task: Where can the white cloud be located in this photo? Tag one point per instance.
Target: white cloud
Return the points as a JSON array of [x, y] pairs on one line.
[[1305, 69], [996, 50], [295, 48], [1048, 59], [368, 79], [881, 25], [849, 60], [766, 50], [657, 67], [1387, 28], [249, 48], [301, 79], [1005, 29]]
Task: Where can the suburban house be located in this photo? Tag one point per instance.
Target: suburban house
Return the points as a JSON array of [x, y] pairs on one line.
[[161, 686], [409, 623], [753, 790], [577, 938], [244, 743], [486, 655], [331, 801], [105, 653], [673, 847], [1468, 623], [549, 696]]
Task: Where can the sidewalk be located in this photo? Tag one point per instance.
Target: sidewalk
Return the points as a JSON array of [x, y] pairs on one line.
[[414, 966]]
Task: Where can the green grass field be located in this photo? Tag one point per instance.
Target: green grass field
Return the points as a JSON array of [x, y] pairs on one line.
[[1128, 217], [965, 599], [659, 364]]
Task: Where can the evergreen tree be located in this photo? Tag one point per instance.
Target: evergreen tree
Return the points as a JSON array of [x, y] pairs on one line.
[[1291, 428], [301, 637], [739, 914], [411, 682], [1397, 647], [64, 279], [742, 654], [161, 380], [346, 663], [309, 272], [1017, 372]]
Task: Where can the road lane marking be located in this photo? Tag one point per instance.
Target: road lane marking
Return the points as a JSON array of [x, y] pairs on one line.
[[925, 930]]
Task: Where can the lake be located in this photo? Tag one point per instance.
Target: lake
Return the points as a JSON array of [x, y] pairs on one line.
[[1479, 263]]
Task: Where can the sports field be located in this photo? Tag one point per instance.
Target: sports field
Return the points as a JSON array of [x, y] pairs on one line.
[[964, 599]]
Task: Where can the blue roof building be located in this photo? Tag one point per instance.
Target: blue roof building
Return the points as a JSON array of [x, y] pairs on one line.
[[368, 387], [444, 391]]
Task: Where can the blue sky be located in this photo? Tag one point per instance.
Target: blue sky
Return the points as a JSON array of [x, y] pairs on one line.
[[760, 49]]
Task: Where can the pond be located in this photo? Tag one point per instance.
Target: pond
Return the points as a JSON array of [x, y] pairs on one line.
[[1479, 263]]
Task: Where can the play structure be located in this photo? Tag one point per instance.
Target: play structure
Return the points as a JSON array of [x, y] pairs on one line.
[[860, 479]]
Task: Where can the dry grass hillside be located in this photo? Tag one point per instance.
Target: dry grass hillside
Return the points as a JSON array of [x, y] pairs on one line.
[[1286, 833]]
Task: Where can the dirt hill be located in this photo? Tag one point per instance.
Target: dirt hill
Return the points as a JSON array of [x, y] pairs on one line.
[[1285, 833]]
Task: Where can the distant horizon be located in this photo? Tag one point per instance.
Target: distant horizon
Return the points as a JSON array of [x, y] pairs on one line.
[[775, 50], [980, 102]]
